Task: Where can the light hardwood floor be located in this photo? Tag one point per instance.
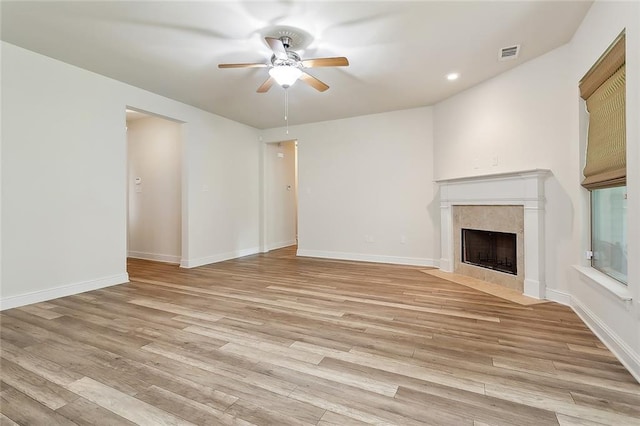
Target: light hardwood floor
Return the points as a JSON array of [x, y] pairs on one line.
[[275, 339]]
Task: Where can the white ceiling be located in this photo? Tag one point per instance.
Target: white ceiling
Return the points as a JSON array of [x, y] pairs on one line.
[[399, 52]]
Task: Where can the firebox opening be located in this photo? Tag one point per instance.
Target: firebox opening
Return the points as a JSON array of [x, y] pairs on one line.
[[488, 249]]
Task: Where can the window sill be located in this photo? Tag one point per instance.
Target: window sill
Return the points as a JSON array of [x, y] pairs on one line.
[[614, 287]]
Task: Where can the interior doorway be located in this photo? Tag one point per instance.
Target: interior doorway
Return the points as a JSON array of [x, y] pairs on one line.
[[154, 187], [280, 223]]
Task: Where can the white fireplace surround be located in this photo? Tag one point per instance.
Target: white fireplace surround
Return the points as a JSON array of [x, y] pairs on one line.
[[525, 188]]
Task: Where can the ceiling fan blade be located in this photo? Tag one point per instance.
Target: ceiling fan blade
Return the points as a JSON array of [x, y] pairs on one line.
[[278, 48], [242, 65], [313, 82], [266, 85], [326, 62]]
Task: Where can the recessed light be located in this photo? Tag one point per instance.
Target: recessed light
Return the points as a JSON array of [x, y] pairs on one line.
[[453, 76]]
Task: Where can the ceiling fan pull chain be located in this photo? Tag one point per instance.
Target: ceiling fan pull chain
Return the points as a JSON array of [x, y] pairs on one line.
[[286, 108]]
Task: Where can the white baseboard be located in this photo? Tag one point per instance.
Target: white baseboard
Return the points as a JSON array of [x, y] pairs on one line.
[[369, 258], [193, 263], [558, 296], [166, 258], [282, 244], [616, 345], [620, 349], [62, 291]]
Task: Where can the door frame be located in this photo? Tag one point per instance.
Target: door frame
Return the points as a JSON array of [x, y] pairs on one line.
[[264, 209]]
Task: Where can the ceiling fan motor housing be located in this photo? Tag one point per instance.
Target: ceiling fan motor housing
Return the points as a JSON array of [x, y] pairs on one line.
[[293, 60]]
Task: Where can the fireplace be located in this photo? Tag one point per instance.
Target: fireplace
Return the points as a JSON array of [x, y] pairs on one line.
[[510, 202], [491, 250]]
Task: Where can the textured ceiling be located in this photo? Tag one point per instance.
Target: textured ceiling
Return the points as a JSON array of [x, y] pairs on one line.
[[399, 51]]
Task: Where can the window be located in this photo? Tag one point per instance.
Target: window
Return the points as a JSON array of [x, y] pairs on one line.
[[609, 231], [604, 90]]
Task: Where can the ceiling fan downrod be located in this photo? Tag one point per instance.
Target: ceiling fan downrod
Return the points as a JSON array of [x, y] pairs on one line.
[[286, 41]]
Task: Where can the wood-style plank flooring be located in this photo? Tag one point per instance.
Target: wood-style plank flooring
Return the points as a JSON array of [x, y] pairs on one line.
[[274, 339]]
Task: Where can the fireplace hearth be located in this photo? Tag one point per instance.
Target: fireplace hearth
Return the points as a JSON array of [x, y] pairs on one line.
[[491, 250]]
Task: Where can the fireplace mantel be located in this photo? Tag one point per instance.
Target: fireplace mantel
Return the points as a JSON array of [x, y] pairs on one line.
[[525, 188]]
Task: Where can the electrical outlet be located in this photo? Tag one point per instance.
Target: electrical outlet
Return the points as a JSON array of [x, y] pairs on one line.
[[403, 239]]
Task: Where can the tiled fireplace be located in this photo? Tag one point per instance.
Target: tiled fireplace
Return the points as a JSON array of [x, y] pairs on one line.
[[508, 203], [509, 220]]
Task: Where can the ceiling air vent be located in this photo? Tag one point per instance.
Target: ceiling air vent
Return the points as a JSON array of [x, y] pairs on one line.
[[507, 53]]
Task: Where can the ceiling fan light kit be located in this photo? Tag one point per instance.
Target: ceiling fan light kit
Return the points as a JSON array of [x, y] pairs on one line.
[[285, 75]]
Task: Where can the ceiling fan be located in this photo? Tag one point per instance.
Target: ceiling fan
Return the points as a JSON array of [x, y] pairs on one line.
[[286, 66]]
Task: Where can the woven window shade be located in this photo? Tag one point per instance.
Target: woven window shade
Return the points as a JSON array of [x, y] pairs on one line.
[[604, 68], [606, 146]]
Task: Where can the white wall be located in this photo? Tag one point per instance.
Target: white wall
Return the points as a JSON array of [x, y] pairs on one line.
[[617, 322], [154, 155], [280, 188], [64, 179], [366, 187], [523, 117], [529, 118]]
